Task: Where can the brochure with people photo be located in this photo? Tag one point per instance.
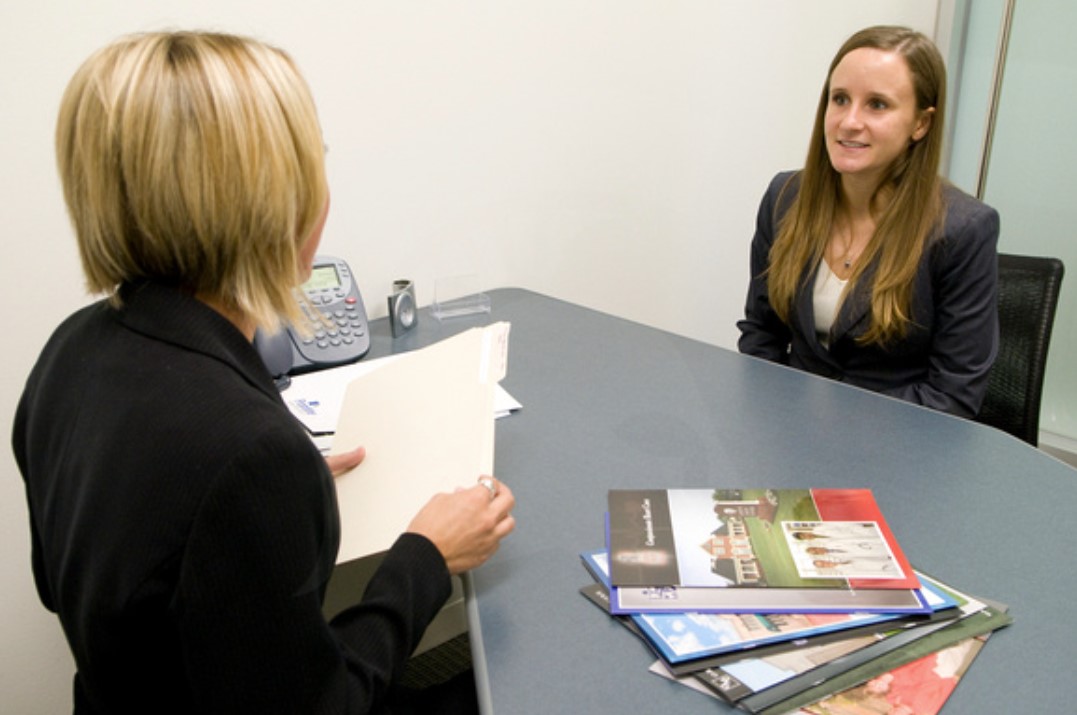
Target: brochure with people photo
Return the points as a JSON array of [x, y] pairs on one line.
[[753, 538]]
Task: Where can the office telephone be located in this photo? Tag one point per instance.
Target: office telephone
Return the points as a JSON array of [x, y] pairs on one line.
[[336, 331]]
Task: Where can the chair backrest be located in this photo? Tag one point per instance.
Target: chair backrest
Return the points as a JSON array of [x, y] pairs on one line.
[[1028, 288]]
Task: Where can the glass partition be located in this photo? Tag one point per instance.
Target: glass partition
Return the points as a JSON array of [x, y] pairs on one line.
[[1031, 169]]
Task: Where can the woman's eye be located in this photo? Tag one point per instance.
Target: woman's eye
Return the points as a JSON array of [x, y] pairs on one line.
[[877, 104], [839, 99]]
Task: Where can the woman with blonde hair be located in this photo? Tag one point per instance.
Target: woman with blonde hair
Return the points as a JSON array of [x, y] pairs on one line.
[[866, 266], [184, 526]]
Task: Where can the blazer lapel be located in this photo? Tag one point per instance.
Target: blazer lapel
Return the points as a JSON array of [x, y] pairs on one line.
[[805, 309], [855, 309], [804, 316]]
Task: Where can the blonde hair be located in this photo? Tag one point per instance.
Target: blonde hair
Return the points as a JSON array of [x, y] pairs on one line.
[[909, 199], [194, 159]]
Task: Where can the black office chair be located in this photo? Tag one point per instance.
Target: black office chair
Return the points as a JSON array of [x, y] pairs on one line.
[[1028, 288]]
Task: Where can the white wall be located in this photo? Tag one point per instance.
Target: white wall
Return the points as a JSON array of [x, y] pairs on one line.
[[609, 152]]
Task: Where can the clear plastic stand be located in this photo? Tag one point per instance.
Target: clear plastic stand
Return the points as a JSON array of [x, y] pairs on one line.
[[458, 296]]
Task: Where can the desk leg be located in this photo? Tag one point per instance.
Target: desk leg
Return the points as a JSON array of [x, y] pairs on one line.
[[478, 652]]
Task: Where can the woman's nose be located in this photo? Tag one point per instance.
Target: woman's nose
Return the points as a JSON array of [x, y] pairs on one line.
[[851, 118]]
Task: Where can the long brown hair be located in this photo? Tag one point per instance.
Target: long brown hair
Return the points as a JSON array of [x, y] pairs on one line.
[[906, 220]]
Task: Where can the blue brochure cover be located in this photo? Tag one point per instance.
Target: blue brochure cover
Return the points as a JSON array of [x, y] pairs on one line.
[[686, 636]]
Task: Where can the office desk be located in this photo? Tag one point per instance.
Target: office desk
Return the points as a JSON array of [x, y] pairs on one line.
[[609, 403]]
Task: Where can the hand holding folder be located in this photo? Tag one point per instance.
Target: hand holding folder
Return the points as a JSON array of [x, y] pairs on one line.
[[426, 419]]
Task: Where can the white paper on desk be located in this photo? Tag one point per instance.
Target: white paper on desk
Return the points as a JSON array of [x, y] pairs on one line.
[[504, 403], [426, 419], [315, 398]]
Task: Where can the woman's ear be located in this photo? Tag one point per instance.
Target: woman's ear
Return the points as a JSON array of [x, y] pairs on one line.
[[923, 124]]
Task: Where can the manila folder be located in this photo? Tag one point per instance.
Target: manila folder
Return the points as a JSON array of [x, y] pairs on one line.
[[426, 419]]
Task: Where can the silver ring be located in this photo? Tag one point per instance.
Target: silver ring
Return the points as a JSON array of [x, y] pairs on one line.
[[490, 486]]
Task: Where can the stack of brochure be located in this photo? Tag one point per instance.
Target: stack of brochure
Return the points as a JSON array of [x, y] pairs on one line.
[[785, 600]]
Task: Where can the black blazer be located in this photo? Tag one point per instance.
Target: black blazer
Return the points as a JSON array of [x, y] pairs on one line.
[[184, 526], [953, 338]]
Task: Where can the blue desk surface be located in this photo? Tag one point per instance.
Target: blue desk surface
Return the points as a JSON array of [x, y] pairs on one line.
[[609, 403]]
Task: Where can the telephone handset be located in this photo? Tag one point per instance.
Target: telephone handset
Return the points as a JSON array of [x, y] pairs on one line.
[[336, 335]]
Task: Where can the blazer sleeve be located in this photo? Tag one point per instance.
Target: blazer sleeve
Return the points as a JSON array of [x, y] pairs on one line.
[[762, 332], [249, 604], [964, 343]]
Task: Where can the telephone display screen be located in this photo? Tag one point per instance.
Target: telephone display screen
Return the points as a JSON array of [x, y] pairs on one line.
[[322, 277]]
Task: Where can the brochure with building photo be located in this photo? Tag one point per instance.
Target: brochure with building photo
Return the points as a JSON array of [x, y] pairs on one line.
[[834, 539]]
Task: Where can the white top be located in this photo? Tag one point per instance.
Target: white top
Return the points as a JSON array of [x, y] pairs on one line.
[[826, 296]]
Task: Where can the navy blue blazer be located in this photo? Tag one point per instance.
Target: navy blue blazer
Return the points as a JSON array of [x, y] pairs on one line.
[[951, 343]]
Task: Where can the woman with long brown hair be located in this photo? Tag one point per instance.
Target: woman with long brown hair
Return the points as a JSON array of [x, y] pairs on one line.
[[866, 266]]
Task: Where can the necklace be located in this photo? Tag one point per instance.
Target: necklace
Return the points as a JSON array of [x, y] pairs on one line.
[[846, 258], [849, 254]]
